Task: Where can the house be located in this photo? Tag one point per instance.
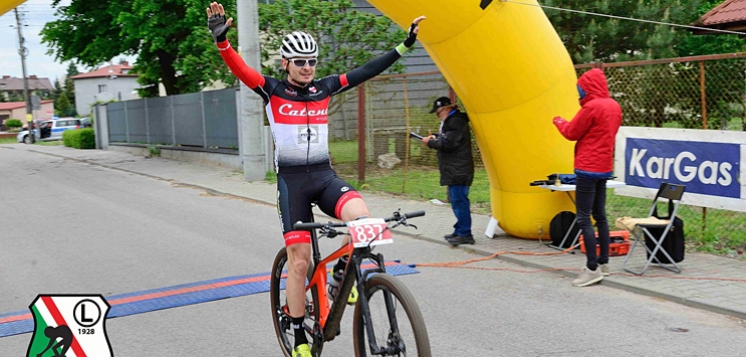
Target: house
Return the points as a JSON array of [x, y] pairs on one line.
[[730, 15], [107, 83], [12, 86], [17, 110]]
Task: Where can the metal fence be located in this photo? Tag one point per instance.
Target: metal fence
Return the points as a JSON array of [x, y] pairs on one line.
[[202, 120], [704, 92]]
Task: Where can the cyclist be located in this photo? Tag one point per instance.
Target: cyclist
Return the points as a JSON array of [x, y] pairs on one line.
[[297, 110]]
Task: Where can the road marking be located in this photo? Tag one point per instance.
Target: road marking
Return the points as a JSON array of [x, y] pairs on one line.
[[19, 322]]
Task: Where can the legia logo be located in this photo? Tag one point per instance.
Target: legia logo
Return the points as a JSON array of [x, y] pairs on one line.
[[69, 325]]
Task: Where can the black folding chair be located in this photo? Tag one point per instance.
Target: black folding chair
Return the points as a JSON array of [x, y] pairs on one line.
[[640, 228]]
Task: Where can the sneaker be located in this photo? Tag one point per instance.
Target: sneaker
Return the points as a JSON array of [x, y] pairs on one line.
[[588, 277], [456, 240], [604, 269], [333, 288], [302, 351]]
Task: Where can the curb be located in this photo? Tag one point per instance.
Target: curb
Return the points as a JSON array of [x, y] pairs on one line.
[[606, 282]]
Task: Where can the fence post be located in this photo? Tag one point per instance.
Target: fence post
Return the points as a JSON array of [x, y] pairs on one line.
[[406, 135], [204, 129], [344, 117], [147, 122], [101, 126], [361, 134], [703, 93], [173, 121], [126, 123]]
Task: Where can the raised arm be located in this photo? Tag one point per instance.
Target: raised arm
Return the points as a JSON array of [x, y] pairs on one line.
[[219, 27], [377, 65]]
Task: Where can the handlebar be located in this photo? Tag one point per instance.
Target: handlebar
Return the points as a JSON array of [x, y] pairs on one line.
[[316, 225], [308, 226]]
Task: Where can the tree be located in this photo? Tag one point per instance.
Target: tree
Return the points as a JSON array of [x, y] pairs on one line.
[[62, 106], [15, 96], [174, 47], [165, 35], [72, 70], [594, 38], [347, 38], [694, 45], [57, 90]]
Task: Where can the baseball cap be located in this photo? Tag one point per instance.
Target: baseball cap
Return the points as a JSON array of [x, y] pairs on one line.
[[440, 102]]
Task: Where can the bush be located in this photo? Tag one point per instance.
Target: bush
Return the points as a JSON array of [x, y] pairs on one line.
[[13, 123], [154, 151], [79, 138]]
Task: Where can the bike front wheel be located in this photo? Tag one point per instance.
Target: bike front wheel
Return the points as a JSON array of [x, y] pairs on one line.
[[280, 312], [397, 322]]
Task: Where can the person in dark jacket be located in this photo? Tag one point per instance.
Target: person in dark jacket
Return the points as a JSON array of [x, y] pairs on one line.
[[455, 163], [594, 128]]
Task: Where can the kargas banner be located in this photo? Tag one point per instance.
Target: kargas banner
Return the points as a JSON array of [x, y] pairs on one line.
[[711, 164]]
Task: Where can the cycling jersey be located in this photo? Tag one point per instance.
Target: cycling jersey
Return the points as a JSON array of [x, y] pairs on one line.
[[298, 116]]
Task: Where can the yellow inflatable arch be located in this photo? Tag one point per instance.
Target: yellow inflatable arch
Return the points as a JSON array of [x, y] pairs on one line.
[[7, 5], [513, 74]]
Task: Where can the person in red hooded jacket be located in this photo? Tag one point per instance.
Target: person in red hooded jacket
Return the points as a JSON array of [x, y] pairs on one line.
[[594, 128]]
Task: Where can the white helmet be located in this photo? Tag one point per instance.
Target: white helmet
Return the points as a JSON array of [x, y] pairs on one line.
[[299, 44]]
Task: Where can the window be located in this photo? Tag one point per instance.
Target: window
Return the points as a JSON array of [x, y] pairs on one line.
[[102, 88]]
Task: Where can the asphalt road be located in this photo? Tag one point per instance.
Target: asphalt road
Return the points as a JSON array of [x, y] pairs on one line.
[[70, 227]]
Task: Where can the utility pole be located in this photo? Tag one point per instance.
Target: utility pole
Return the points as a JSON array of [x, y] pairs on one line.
[[23, 51], [250, 113]]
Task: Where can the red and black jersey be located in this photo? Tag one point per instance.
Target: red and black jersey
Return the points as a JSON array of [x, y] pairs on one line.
[[298, 116]]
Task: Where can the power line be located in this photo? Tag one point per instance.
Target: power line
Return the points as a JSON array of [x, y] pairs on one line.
[[627, 18]]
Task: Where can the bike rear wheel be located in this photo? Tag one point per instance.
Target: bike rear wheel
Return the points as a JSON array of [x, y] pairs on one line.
[[278, 300], [397, 324]]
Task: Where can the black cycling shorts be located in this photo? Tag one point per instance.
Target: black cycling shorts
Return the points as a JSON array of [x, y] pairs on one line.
[[296, 192]]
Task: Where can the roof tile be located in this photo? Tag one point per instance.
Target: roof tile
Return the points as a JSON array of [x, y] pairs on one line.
[[727, 12]]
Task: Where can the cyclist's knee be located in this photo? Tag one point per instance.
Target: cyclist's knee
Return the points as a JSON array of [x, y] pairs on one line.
[[354, 209], [300, 265], [299, 256]]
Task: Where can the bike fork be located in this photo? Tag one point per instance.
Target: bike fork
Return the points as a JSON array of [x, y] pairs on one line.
[[390, 308]]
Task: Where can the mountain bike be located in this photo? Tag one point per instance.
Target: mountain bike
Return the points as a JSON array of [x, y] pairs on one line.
[[386, 321]]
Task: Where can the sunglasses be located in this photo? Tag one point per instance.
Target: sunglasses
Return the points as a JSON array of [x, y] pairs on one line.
[[298, 62]]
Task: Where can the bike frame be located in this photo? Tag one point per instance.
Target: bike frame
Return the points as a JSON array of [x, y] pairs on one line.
[[331, 315]]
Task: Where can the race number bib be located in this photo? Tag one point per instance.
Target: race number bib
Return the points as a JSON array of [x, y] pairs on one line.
[[369, 231]]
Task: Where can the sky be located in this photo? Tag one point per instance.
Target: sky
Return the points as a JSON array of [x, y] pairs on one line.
[[35, 13]]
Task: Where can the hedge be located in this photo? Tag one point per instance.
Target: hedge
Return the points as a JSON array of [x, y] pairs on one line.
[[13, 123], [79, 138]]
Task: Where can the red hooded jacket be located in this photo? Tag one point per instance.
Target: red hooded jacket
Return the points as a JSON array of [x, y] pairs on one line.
[[595, 126]]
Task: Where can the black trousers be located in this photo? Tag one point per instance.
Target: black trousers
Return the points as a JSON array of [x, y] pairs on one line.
[[590, 199]]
